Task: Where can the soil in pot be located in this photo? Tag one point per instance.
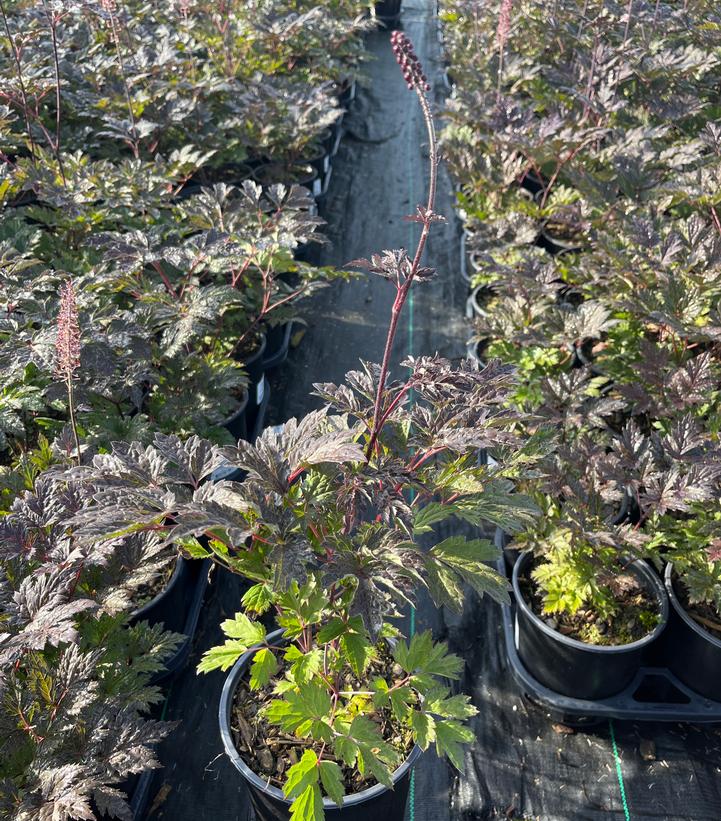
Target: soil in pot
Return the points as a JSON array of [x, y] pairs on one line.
[[637, 614], [270, 752], [703, 613], [557, 652]]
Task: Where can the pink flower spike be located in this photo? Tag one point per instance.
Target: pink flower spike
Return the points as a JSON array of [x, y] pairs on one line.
[[409, 63], [67, 343]]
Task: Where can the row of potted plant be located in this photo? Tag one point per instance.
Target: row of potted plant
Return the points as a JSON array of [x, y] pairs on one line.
[[325, 518], [586, 154], [153, 273], [135, 303], [328, 713]]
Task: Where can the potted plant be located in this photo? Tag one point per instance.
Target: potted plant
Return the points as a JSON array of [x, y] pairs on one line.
[[326, 526], [586, 611], [74, 674], [693, 582]]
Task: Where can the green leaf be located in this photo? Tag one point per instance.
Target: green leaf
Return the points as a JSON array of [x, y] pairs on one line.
[[301, 775], [429, 515], [191, 547], [257, 598], [303, 665], [369, 761], [457, 560], [308, 806], [443, 584], [264, 667], [423, 726], [449, 737], [458, 706], [346, 749], [242, 628], [423, 656], [365, 733], [222, 657], [335, 627], [358, 650], [303, 712], [504, 508], [331, 777]]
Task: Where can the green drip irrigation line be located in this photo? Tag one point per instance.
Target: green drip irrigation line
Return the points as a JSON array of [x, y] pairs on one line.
[[619, 771]]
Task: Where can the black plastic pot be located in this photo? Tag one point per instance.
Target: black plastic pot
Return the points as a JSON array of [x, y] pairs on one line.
[[465, 273], [255, 369], [569, 666], [237, 423], [532, 183], [691, 653], [335, 135], [474, 351], [389, 11], [278, 345], [168, 606], [347, 93], [319, 158], [557, 245], [177, 607], [269, 803]]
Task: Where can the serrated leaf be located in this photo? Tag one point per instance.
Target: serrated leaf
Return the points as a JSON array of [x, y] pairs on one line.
[[242, 628], [222, 657], [263, 668], [335, 628], [429, 515], [308, 806], [457, 706], [257, 598], [331, 777], [303, 665], [346, 749], [423, 726], [192, 548], [358, 650], [302, 712], [424, 657], [301, 775], [450, 735], [366, 735], [456, 560]]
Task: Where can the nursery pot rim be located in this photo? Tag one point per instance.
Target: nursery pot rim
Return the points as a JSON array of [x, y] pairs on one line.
[[654, 585], [682, 612], [172, 582], [259, 351], [224, 716]]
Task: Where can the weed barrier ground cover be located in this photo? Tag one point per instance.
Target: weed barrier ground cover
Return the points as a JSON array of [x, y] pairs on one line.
[[523, 765]]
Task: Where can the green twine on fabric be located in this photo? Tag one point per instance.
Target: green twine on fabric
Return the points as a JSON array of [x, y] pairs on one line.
[[619, 771]]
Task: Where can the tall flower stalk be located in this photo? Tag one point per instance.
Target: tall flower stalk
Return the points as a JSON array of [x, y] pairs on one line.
[[53, 19], [67, 350], [408, 270], [502, 30]]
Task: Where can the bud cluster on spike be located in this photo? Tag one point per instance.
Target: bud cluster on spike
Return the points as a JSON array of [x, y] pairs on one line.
[[67, 345], [409, 62], [504, 22]]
